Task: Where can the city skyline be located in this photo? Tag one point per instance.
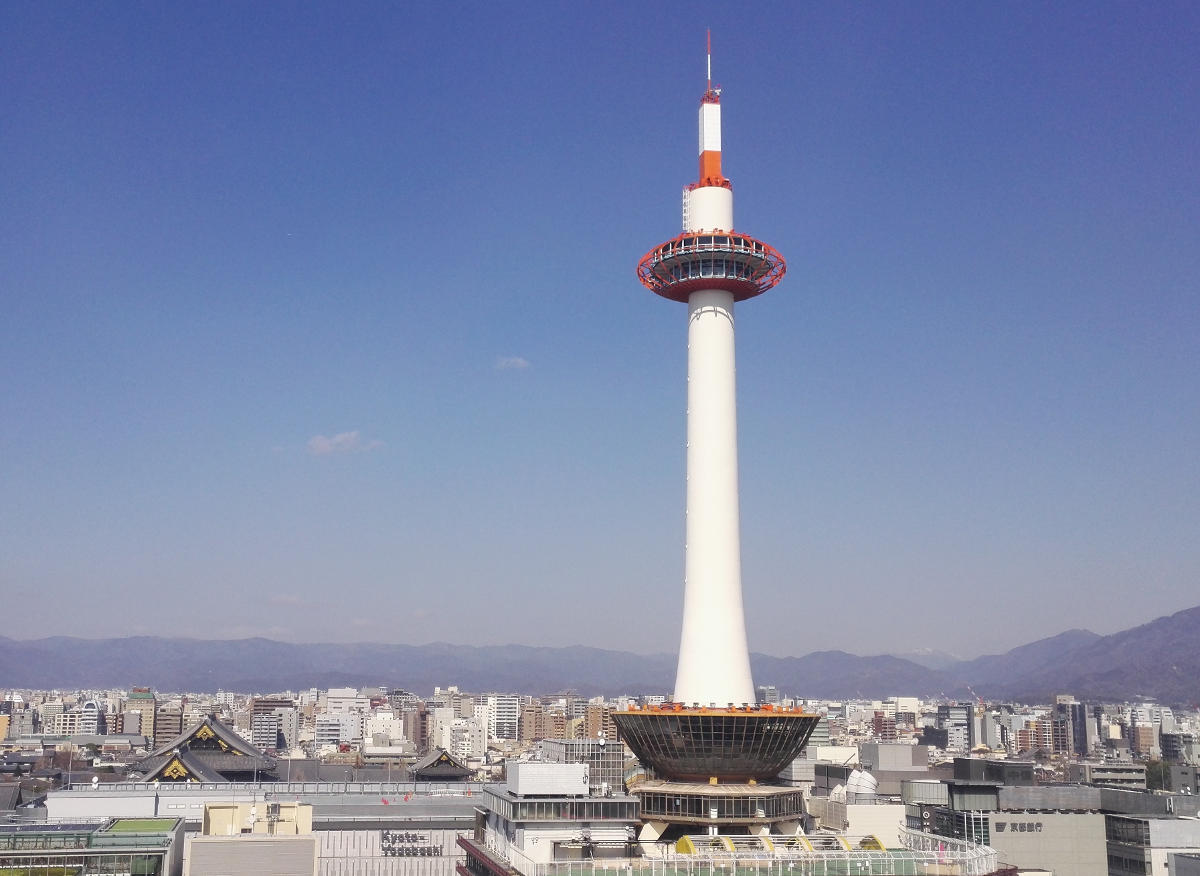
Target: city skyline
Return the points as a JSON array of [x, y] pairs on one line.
[[329, 317]]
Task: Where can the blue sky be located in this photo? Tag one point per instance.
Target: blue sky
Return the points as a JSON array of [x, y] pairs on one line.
[[320, 320]]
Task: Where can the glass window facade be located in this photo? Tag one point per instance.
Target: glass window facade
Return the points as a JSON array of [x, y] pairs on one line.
[[695, 746], [728, 807], [519, 809]]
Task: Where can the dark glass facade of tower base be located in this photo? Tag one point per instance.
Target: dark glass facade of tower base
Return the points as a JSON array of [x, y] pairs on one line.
[[697, 745]]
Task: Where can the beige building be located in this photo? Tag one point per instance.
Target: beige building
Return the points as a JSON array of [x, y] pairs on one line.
[[258, 837], [277, 819], [263, 855]]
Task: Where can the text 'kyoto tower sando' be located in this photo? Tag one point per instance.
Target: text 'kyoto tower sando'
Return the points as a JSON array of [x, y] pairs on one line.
[[713, 731]]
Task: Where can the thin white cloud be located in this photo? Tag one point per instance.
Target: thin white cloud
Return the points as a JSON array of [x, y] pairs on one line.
[[287, 599], [343, 442], [511, 363]]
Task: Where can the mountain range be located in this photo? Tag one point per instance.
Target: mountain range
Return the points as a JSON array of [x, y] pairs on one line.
[[1158, 660]]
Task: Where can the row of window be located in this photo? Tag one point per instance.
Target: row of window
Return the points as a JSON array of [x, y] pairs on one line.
[[82, 865], [715, 268], [27, 841], [1130, 831], [582, 809], [714, 242], [1121, 865], [697, 806]]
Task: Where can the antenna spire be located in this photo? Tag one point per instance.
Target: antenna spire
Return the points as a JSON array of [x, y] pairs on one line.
[[708, 40]]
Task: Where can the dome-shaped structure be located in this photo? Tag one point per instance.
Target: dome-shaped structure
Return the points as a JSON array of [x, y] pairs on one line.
[[860, 786]]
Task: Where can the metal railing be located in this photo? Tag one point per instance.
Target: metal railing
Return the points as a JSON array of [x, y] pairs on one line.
[[922, 855], [417, 789]]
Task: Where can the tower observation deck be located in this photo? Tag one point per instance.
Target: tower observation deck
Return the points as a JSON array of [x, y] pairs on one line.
[[712, 728]]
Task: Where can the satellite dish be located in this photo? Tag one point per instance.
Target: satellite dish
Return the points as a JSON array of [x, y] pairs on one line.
[[95, 782]]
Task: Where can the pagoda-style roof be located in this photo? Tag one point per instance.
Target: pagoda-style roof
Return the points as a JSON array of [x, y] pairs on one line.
[[438, 765], [208, 751], [208, 735], [183, 766]]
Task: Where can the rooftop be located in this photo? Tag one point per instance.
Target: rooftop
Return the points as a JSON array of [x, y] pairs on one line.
[[815, 855]]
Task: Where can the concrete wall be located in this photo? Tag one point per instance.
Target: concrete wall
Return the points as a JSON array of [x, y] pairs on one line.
[[1061, 797], [894, 756], [262, 855], [1069, 844], [883, 820], [1130, 802], [398, 852], [1174, 833], [1183, 865]]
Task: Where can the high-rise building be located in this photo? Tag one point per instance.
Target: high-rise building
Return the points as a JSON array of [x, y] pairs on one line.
[[402, 699], [264, 731], [141, 700], [334, 729], [342, 700], [768, 693], [503, 715], [540, 722], [883, 726], [958, 720], [168, 724], [1074, 715], [598, 722], [415, 721]]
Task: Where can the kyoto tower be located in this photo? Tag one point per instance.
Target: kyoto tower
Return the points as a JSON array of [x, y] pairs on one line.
[[709, 267], [712, 731]]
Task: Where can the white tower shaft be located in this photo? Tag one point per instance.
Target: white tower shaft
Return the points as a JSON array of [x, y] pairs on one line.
[[714, 660]]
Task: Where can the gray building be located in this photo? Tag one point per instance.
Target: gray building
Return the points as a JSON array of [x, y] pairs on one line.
[[1004, 772], [1183, 778], [1125, 774], [1142, 844], [1053, 827], [606, 760], [958, 720], [1180, 748]]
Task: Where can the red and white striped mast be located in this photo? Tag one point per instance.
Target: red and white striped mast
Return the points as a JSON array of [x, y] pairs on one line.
[[710, 266]]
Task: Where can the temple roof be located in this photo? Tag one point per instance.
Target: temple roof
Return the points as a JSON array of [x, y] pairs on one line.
[[10, 796], [440, 763], [182, 766], [208, 734], [208, 751]]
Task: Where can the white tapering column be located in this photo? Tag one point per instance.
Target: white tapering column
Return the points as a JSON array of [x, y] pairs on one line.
[[714, 661]]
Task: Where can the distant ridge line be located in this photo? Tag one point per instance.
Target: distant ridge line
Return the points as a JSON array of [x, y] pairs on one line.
[[1155, 660]]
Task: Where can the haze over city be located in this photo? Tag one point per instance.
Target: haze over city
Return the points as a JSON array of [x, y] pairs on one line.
[[322, 325]]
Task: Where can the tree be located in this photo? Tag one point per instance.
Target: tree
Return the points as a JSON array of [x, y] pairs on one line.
[[1156, 775]]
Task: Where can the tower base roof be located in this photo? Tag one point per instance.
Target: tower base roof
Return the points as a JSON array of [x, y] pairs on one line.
[[728, 745]]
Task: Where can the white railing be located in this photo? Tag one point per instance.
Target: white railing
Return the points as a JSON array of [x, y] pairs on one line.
[[922, 855], [417, 789], [979, 860]]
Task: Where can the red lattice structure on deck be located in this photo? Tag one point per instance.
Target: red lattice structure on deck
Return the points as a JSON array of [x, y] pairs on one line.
[[695, 260]]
